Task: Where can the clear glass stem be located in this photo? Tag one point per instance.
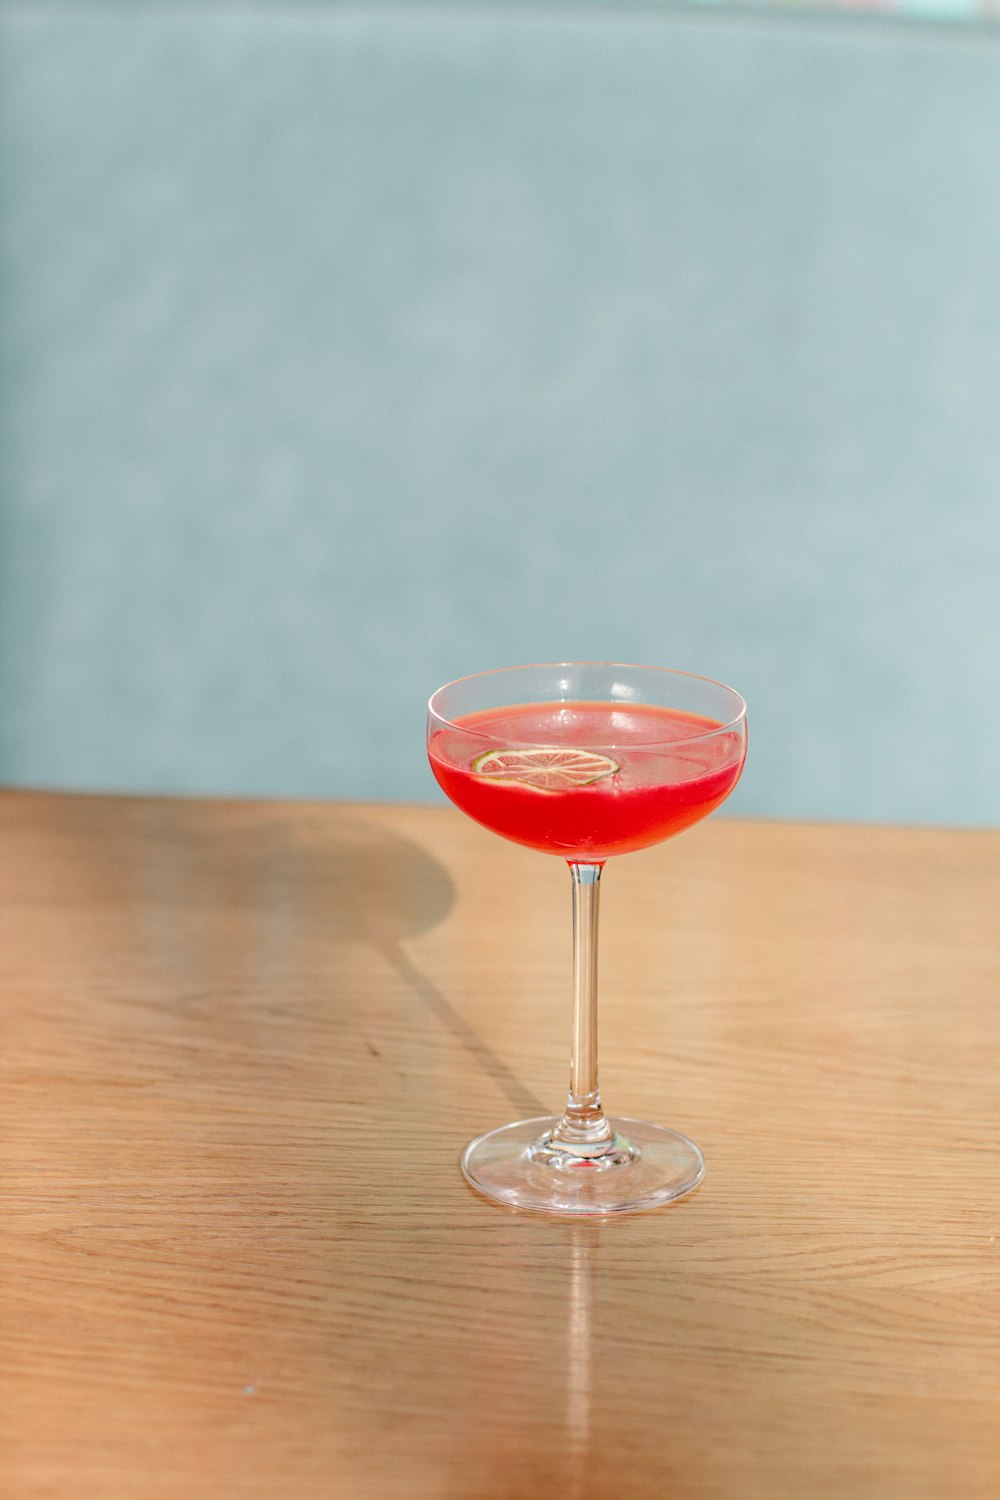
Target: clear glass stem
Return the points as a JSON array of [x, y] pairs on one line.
[[583, 1163], [584, 1122], [583, 1139]]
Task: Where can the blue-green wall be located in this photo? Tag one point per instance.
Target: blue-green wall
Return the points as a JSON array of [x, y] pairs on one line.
[[343, 352]]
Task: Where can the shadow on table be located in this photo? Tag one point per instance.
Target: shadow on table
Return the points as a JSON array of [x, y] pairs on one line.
[[279, 879], [326, 872], [522, 1099]]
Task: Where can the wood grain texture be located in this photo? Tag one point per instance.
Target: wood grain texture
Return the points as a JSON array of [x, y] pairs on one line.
[[243, 1045]]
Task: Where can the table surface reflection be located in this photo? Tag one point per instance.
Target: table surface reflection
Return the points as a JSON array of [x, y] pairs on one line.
[[245, 1042]]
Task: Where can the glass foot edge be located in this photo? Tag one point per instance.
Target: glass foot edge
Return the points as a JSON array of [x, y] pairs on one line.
[[666, 1167]]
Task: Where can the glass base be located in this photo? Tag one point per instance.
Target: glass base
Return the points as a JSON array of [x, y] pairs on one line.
[[644, 1167]]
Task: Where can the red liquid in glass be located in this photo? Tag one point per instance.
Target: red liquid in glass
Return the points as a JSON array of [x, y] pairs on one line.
[[670, 774]]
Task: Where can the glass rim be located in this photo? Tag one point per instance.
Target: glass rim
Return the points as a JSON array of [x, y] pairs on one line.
[[737, 722]]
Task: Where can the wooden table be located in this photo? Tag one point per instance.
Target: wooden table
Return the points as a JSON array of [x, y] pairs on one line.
[[242, 1047]]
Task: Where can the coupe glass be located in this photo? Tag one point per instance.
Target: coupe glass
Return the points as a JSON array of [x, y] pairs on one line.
[[585, 760]]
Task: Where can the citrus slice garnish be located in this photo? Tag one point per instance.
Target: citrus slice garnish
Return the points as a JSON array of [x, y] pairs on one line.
[[548, 768]]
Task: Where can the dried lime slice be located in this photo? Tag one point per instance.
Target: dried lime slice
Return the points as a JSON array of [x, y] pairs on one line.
[[548, 768]]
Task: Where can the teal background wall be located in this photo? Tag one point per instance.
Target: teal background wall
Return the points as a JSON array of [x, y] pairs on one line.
[[347, 351]]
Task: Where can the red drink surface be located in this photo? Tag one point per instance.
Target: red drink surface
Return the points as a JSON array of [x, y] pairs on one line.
[[674, 768]]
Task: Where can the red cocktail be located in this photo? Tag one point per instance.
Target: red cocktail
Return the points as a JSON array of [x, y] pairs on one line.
[[587, 780], [585, 760]]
